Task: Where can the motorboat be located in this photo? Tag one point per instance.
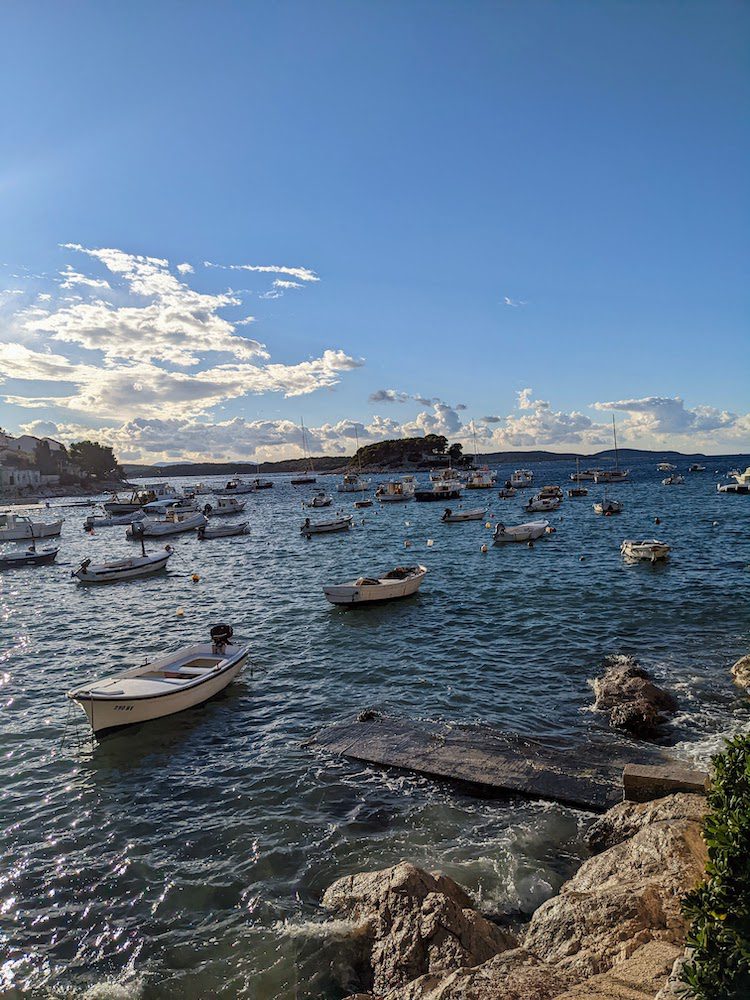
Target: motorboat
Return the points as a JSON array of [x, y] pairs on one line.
[[608, 506], [674, 480], [577, 491], [140, 497], [458, 516], [188, 504], [199, 489], [235, 487], [445, 484], [110, 520], [396, 490], [665, 467], [521, 479], [582, 475], [481, 479], [741, 482], [696, 467], [342, 523], [169, 684], [352, 482], [742, 478], [400, 582], [123, 569], [507, 492], [224, 506], [650, 549], [319, 499], [550, 492], [20, 526], [361, 504], [32, 556], [528, 532], [173, 523], [262, 484], [209, 531], [540, 504]]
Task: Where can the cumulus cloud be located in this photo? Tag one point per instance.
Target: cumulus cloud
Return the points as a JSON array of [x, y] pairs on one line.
[[137, 354], [537, 425], [491, 420], [185, 268], [659, 417], [388, 396]]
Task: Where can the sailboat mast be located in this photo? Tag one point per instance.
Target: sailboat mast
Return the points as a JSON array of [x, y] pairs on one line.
[[614, 435]]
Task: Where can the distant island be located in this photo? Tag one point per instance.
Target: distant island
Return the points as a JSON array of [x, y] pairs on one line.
[[412, 454]]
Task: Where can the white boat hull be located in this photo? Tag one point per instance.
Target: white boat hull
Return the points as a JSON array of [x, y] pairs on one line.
[[158, 529], [648, 551], [394, 497], [520, 532], [387, 590], [459, 516], [123, 569], [325, 527], [223, 531], [20, 530]]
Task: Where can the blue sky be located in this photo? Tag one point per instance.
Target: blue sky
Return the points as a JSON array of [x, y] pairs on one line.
[[523, 208]]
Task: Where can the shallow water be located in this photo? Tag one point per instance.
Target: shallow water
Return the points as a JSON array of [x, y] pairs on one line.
[[188, 858]]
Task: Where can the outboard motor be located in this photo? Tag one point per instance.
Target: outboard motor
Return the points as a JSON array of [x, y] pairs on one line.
[[221, 636], [207, 508], [84, 566]]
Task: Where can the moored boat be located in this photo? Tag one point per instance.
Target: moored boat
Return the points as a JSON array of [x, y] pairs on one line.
[[110, 520], [527, 532], [507, 492], [224, 506], [696, 467], [540, 504], [122, 569], [608, 506], [167, 685], [457, 516], [32, 556], [650, 549], [208, 531], [319, 499], [342, 523], [352, 482], [396, 490], [674, 480], [521, 479], [172, 524], [19, 526], [481, 479], [236, 487], [400, 582]]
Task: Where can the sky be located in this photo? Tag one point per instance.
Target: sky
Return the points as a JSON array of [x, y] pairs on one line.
[[502, 222]]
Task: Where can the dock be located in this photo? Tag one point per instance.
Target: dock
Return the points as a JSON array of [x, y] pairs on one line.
[[492, 763]]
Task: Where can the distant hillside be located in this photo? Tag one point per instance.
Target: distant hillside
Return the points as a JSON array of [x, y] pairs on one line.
[[323, 463]]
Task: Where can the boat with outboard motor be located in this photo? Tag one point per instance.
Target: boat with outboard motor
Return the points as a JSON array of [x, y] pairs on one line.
[[32, 556], [608, 506], [319, 499], [650, 549], [521, 479], [173, 523], [527, 532], [224, 506], [123, 569], [110, 520], [674, 480], [458, 516], [208, 531], [403, 581], [342, 523], [540, 504], [17, 527], [168, 685]]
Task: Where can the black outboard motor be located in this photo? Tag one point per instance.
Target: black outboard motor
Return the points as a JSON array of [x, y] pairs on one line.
[[207, 508], [221, 636]]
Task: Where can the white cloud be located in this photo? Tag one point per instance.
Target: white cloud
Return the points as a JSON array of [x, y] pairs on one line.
[[389, 396], [660, 417], [514, 303], [185, 268], [300, 273], [71, 278]]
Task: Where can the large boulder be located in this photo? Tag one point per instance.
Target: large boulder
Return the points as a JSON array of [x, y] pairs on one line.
[[639, 977], [627, 691], [627, 818], [620, 900], [415, 923]]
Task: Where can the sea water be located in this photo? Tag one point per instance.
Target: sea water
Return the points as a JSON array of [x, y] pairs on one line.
[[188, 857]]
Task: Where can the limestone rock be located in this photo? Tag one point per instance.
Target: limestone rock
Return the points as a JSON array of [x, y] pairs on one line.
[[514, 975], [633, 701], [741, 672], [627, 818], [639, 977], [620, 900], [416, 923]]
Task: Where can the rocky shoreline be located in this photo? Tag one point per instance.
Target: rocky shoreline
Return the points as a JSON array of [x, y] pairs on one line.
[[614, 931]]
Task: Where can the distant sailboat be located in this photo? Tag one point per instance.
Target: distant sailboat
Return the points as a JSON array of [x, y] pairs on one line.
[[577, 490], [616, 475], [309, 474]]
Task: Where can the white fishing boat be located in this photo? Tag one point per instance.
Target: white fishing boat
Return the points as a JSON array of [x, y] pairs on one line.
[[584, 475], [110, 520], [262, 484], [122, 569], [361, 504], [457, 516], [308, 475], [342, 523], [319, 499], [507, 492], [140, 497], [172, 524], [197, 490], [528, 532], [19, 526], [550, 492], [209, 531], [696, 467], [352, 482], [741, 482], [396, 490], [167, 685], [481, 479], [521, 479], [665, 467], [539, 504], [608, 506], [400, 582], [183, 504], [224, 506], [235, 487], [674, 480], [650, 549]]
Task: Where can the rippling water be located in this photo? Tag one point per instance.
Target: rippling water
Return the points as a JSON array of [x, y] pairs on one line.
[[188, 858]]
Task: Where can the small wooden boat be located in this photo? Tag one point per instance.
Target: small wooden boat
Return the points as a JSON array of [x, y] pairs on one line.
[[20, 526], [109, 520], [674, 480], [550, 492], [578, 491], [169, 684], [696, 467], [519, 532], [539, 504], [400, 582], [507, 492], [28, 557], [361, 504], [208, 531], [608, 506], [223, 506], [458, 516], [122, 569], [319, 500], [172, 524], [342, 523], [650, 549]]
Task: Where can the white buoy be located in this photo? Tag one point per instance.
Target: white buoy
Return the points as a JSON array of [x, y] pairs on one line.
[[430, 543], [483, 550], [180, 612]]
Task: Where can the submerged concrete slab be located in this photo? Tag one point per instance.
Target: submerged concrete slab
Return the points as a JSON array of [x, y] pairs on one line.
[[643, 782]]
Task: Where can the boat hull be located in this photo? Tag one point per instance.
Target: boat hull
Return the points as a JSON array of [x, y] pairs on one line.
[[100, 574], [520, 532], [109, 715], [431, 496], [351, 595], [14, 560], [41, 529]]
